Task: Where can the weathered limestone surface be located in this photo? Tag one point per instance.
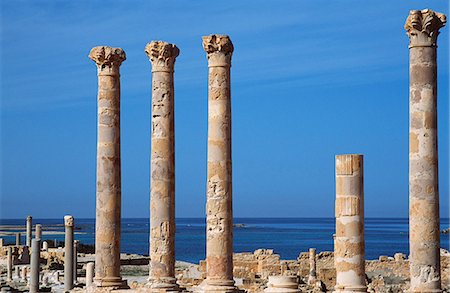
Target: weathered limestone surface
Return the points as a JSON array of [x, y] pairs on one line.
[[89, 274], [9, 264], [38, 232], [422, 28], [108, 199], [312, 267], [282, 284], [68, 253], [75, 261], [34, 266], [23, 274], [349, 244], [162, 181], [219, 214], [29, 231], [17, 239]]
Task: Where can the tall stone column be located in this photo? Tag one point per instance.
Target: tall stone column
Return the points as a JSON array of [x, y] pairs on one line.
[[422, 28], [108, 205], [219, 213], [75, 261], [34, 265], [162, 181], [68, 253], [29, 232], [312, 267], [9, 264], [17, 239], [349, 251]]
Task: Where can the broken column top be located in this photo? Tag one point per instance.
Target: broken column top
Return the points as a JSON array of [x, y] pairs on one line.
[[162, 55], [348, 164], [107, 57], [423, 26], [29, 218], [68, 221], [219, 49]]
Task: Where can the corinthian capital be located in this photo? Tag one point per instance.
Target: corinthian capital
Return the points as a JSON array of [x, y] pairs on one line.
[[107, 57], [219, 49], [423, 26], [162, 55]]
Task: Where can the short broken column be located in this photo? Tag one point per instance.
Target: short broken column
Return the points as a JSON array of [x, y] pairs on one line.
[[89, 274], [23, 273], [34, 265], [29, 232], [68, 253], [424, 240], [219, 213], [312, 267], [162, 180], [349, 248], [2, 242], [108, 191], [17, 272], [75, 261], [45, 246], [282, 284], [9, 264], [17, 239], [38, 232]]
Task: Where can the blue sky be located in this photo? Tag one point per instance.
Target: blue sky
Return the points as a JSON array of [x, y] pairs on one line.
[[310, 79]]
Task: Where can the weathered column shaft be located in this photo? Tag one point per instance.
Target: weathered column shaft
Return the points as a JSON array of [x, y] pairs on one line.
[[219, 214], [9, 264], [89, 274], [34, 265], [349, 254], [75, 260], [108, 205], [423, 28], [312, 267], [24, 274], [45, 245], [68, 253], [38, 232], [162, 180], [29, 232], [17, 239]]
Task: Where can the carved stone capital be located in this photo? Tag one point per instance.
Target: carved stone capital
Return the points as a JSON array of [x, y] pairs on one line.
[[68, 221], [108, 59], [423, 26], [162, 55], [219, 50]]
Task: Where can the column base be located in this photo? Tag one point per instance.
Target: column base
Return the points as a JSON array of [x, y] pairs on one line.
[[217, 286], [349, 289], [162, 285], [111, 283]]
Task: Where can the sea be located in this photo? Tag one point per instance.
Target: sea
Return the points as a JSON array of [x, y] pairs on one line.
[[286, 236]]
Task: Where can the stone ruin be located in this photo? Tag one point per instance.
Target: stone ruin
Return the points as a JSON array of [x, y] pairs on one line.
[[344, 270]]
